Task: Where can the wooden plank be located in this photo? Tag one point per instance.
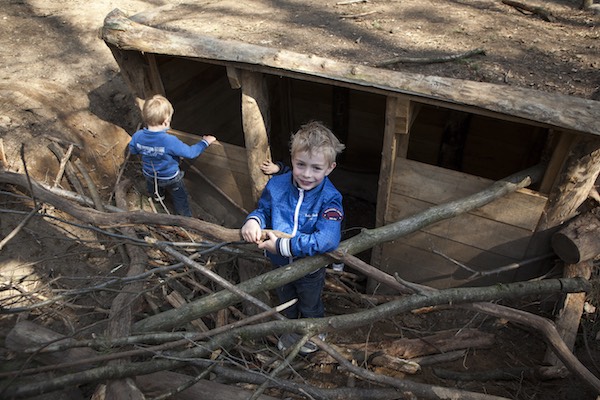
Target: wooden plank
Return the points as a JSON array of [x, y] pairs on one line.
[[553, 109], [226, 166], [432, 185], [421, 266], [481, 233]]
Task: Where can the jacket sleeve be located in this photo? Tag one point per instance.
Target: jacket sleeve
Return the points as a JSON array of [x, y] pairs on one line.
[[325, 237], [180, 149], [132, 148]]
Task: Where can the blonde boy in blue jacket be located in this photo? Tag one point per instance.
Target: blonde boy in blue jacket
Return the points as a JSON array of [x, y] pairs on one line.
[[161, 153], [306, 205]]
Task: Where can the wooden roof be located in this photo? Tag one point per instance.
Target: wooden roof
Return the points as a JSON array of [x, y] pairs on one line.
[[507, 102]]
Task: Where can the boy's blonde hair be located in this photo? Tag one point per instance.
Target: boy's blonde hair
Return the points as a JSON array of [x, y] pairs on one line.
[[156, 110], [313, 137]]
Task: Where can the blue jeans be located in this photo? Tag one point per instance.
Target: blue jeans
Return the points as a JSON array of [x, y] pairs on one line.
[[176, 189], [307, 290]]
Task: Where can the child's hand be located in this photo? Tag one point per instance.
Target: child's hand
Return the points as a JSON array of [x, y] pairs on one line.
[[269, 244], [269, 168], [251, 231], [209, 138]]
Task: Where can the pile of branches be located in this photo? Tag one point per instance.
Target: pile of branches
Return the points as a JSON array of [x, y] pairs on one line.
[[206, 332]]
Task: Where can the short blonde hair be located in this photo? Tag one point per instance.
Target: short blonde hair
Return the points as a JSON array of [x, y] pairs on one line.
[[313, 137], [156, 110]]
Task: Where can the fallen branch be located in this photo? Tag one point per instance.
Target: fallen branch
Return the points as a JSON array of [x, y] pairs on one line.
[[431, 60], [350, 321], [354, 16], [359, 243], [539, 11]]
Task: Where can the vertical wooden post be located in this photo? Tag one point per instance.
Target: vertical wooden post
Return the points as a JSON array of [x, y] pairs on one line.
[[395, 144], [577, 176], [256, 124], [398, 118], [569, 317]]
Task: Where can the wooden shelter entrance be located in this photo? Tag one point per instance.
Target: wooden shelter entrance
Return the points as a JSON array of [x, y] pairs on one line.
[[412, 142]]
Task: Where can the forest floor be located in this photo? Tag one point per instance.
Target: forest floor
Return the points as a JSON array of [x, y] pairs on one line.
[[60, 84]]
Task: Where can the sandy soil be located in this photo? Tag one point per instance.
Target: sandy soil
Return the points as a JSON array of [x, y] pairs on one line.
[[59, 83]]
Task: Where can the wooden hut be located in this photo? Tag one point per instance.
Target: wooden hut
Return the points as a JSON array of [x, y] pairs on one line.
[[412, 141]]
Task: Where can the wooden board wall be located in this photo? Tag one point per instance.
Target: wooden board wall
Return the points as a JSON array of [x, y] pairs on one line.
[[226, 166], [484, 239]]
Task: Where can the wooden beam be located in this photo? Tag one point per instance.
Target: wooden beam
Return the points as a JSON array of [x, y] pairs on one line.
[[552, 109], [156, 83], [256, 124]]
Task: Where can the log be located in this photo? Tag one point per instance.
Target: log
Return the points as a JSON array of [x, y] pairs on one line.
[[574, 113], [121, 311], [568, 318], [578, 240], [159, 382], [541, 12], [256, 125], [98, 218], [580, 169], [398, 354]]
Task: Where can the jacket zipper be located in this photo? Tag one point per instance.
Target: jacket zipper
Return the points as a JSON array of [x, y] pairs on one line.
[[297, 211]]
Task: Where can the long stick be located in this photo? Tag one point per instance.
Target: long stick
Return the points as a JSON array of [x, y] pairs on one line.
[[211, 275]]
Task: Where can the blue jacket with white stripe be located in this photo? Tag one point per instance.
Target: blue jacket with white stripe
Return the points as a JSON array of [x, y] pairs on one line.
[[312, 217]]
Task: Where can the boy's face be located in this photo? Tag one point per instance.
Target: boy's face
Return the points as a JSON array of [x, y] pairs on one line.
[[309, 170]]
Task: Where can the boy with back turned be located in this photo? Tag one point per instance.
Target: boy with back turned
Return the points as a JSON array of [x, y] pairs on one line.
[[304, 204], [161, 153]]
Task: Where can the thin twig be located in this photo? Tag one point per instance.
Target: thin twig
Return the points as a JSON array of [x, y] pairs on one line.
[[63, 165], [428, 60], [18, 227]]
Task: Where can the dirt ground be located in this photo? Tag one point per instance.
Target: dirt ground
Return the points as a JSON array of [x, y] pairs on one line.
[[59, 84]]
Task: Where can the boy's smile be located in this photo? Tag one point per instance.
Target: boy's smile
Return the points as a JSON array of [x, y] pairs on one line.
[[309, 169]]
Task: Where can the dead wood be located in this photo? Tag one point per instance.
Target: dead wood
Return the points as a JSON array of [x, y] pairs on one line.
[[122, 33], [361, 242], [120, 317], [90, 185], [355, 16], [3, 162], [507, 374], [62, 166], [431, 60], [547, 328], [578, 240], [69, 170], [229, 338], [213, 231], [539, 11], [569, 316], [399, 354], [156, 383]]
